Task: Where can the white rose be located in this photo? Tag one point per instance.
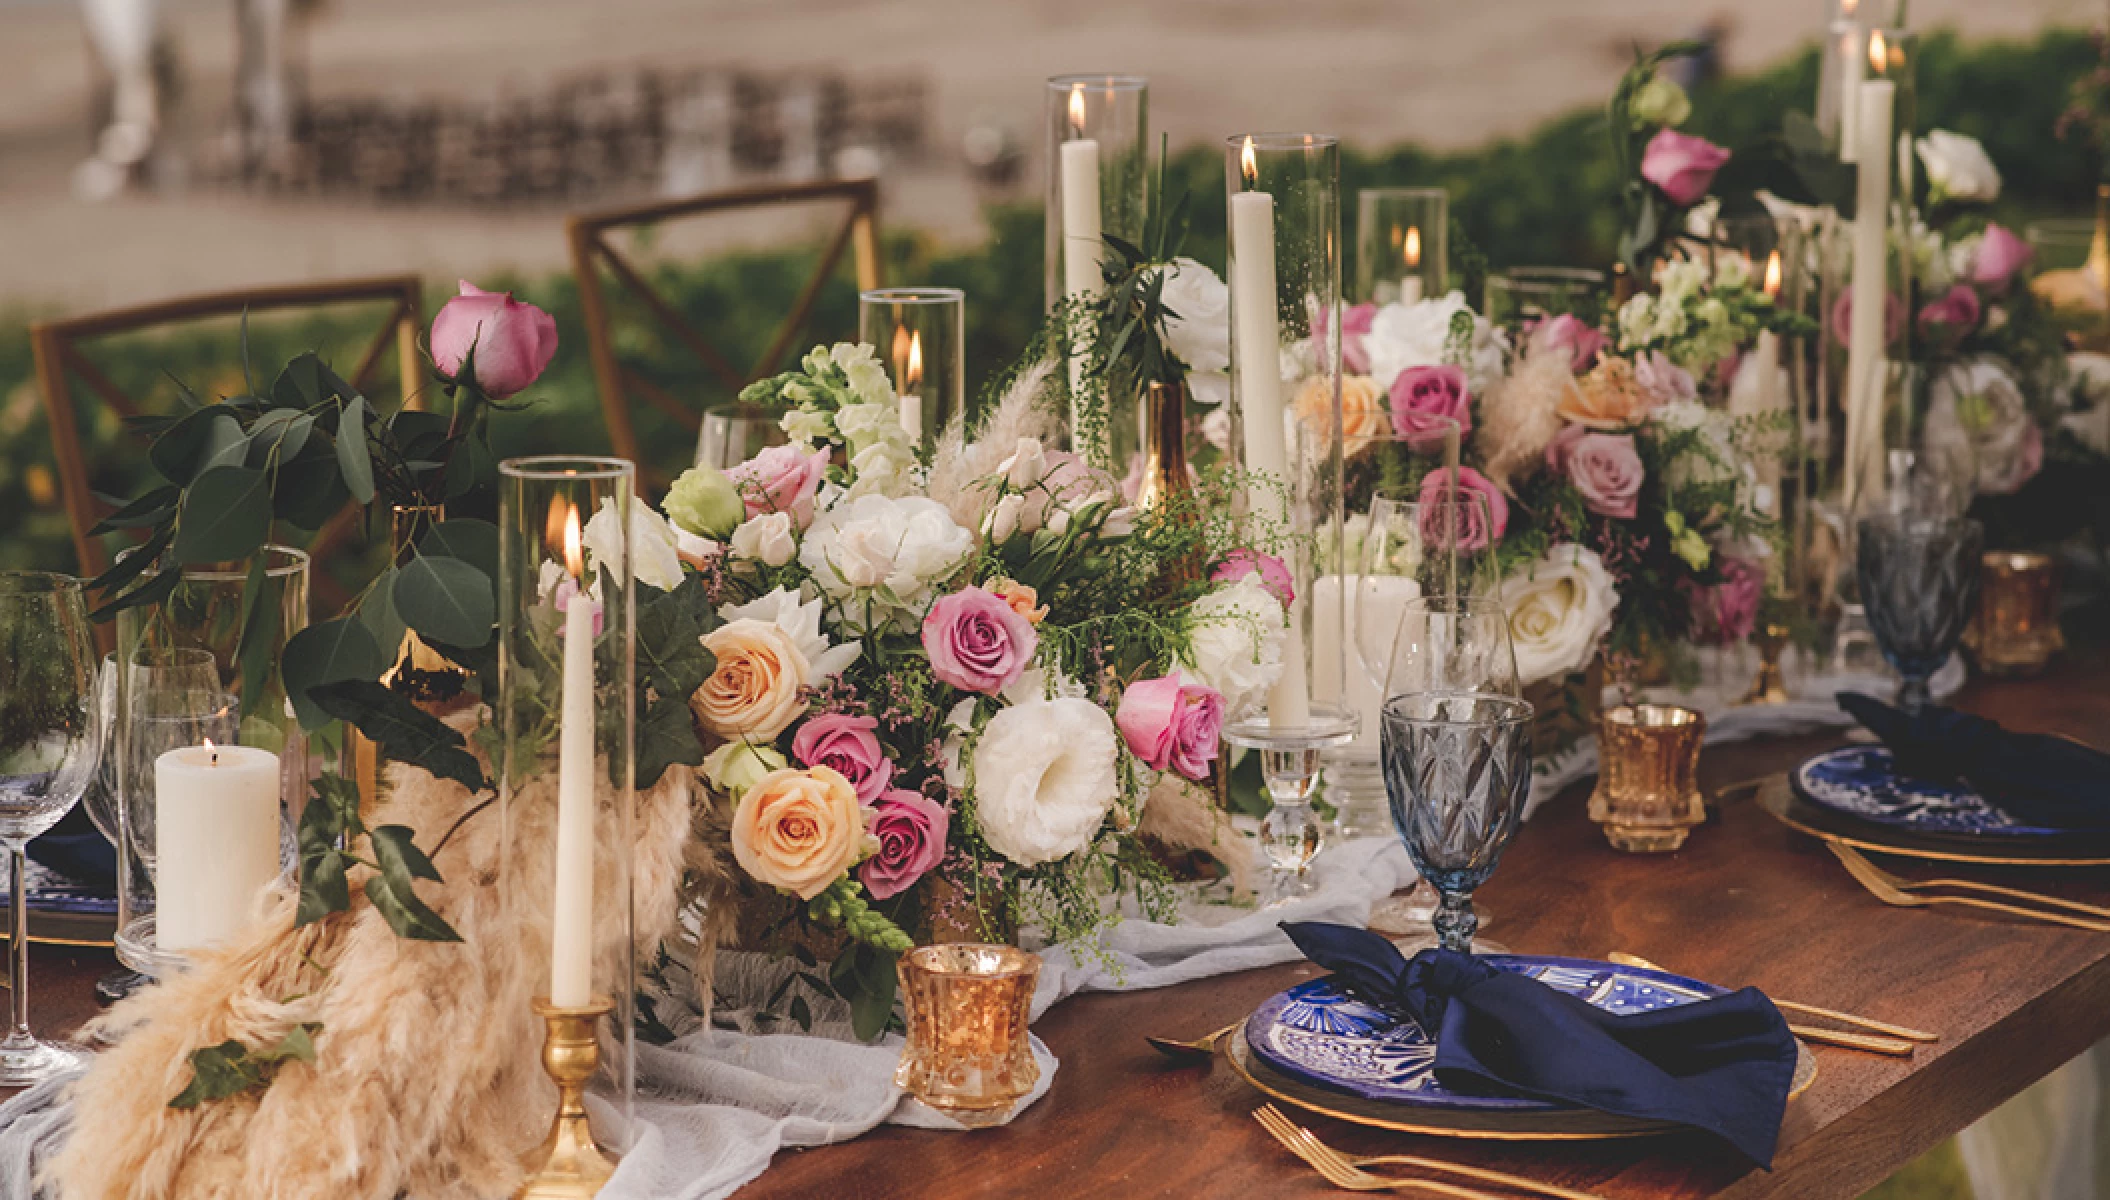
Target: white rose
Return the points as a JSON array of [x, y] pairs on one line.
[[800, 621], [899, 546], [1198, 328], [1414, 335], [737, 765], [1958, 168], [1003, 519], [2090, 374], [1978, 420], [1559, 609], [1027, 465], [1211, 390], [1235, 643], [767, 539], [1044, 778], [654, 551]]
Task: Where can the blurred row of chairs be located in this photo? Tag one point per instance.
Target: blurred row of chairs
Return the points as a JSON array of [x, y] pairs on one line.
[[612, 288]]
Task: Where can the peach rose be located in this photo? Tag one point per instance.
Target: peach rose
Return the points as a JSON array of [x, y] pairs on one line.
[[1609, 397], [754, 693], [1363, 418], [799, 830], [1023, 599]]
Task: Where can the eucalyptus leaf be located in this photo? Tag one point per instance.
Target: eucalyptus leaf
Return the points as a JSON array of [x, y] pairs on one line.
[[391, 890], [278, 437], [378, 613], [258, 640], [300, 384], [472, 541], [147, 594], [340, 649], [150, 508], [225, 515], [446, 599], [404, 732], [354, 461]]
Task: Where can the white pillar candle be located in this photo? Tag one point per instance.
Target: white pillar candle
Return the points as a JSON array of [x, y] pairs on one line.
[[571, 930], [1866, 344], [216, 841]]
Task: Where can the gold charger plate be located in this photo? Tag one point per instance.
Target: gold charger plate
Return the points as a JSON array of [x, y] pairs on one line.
[[1559, 1125], [1777, 797]]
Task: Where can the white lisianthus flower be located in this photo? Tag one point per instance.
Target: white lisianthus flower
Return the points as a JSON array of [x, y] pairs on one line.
[[1978, 419], [1199, 327], [1559, 608], [807, 428], [1044, 778], [1414, 335], [1235, 642], [738, 765], [800, 622], [768, 539], [655, 553], [896, 549], [1958, 168]]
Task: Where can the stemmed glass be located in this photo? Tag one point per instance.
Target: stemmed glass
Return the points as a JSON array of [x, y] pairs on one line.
[[50, 744], [1456, 739], [1919, 581]]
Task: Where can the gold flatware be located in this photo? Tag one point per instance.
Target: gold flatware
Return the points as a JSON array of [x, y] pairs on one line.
[[1307, 1146], [1873, 1043], [1878, 885], [1807, 1010], [1971, 885], [1199, 1048], [1354, 1179]]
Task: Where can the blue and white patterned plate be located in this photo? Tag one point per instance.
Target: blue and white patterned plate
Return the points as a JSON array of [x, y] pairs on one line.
[[1318, 1033], [1863, 782]]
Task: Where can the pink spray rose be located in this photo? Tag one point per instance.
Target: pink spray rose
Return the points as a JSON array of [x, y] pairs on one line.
[[1423, 396], [1355, 323], [781, 479], [1567, 333], [2000, 255], [849, 745], [911, 829], [1171, 725], [1953, 316], [1665, 381], [1724, 613], [1274, 573], [504, 343], [1681, 165], [1604, 467], [977, 642], [1482, 525], [1843, 318]]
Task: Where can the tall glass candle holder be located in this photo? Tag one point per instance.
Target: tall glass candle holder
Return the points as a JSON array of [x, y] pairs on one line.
[[1840, 70], [1893, 55], [567, 717], [1285, 282], [921, 336], [734, 433], [1097, 161], [1518, 297], [1402, 244]]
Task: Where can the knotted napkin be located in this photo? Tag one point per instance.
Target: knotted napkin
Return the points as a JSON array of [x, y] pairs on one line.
[[2036, 778], [1723, 1065]]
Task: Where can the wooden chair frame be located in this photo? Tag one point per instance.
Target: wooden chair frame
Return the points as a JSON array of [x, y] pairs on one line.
[[590, 251], [55, 346]]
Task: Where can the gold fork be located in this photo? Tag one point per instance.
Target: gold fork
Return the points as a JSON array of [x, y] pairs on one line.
[[1971, 885], [1883, 888], [1345, 1172], [1808, 1010]]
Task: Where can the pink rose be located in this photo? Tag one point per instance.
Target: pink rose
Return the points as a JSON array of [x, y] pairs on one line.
[[1355, 322], [1953, 316], [1724, 613], [911, 828], [504, 344], [1422, 396], [1171, 725], [1843, 318], [1274, 573], [2000, 255], [850, 746], [781, 479], [1566, 333], [567, 591], [1482, 525], [977, 642], [1681, 165], [1069, 479], [1665, 381], [1605, 468]]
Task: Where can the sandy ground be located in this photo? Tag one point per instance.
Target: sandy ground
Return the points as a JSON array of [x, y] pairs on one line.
[[1374, 71]]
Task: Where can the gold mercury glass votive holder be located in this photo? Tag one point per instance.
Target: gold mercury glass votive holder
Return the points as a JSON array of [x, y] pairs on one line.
[[2016, 629], [968, 1054], [1648, 796]]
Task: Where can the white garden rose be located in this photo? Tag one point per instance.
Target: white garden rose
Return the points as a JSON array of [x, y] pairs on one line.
[[891, 549], [768, 539], [1979, 423], [1414, 335], [1958, 168], [1235, 642], [800, 622], [1199, 329], [1044, 778], [1559, 607], [655, 553]]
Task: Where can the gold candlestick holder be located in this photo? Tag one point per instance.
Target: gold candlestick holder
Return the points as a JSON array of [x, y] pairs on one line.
[[1771, 686], [568, 1165]]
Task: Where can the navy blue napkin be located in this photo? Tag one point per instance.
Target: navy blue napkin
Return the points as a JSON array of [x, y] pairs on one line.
[[2034, 777], [76, 849], [1723, 1065]]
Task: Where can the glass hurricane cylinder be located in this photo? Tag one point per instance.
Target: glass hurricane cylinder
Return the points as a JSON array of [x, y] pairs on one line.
[[567, 720], [1401, 244], [921, 336], [734, 433], [1518, 297], [1097, 161]]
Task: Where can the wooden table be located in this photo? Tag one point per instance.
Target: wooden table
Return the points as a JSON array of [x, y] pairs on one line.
[[1746, 901]]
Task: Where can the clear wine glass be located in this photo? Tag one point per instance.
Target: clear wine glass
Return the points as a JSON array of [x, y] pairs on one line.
[[50, 746], [1919, 582]]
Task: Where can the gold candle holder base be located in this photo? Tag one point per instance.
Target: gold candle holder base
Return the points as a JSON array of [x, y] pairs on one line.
[[1771, 687], [568, 1165]]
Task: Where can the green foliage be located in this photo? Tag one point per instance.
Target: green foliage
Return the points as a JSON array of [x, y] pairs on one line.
[[401, 729], [230, 1068], [330, 828]]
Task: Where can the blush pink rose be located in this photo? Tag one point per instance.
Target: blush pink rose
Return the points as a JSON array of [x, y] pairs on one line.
[[1171, 725], [849, 745], [1843, 318], [1274, 573], [781, 479], [1681, 165], [1483, 524], [1068, 479], [504, 344], [1355, 323], [911, 829], [1953, 316], [1665, 381], [2000, 255], [1423, 396], [1606, 469], [977, 642], [1724, 613], [1567, 333]]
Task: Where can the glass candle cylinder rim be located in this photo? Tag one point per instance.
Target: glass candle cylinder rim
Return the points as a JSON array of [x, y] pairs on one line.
[[913, 295], [291, 560], [1103, 82], [965, 959], [553, 468], [1653, 716]]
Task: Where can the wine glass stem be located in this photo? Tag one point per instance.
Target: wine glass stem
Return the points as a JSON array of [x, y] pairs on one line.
[[1455, 921], [1914, 694], [18, 940]]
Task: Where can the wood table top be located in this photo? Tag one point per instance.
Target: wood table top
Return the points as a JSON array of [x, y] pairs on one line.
[[1747, 901]]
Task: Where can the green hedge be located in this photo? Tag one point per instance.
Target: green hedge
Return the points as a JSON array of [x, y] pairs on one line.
[[1546, 199]]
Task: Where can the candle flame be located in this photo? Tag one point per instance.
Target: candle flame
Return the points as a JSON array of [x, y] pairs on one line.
[[574, 559], [1077, 110], [1773, 275], [1249, 164], [1847, 7], [913, 374], [1878, 55], [1413, 245], [213, 754]]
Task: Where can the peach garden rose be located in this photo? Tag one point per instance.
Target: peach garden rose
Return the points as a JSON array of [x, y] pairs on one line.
[[754, 692], [799, 830]]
